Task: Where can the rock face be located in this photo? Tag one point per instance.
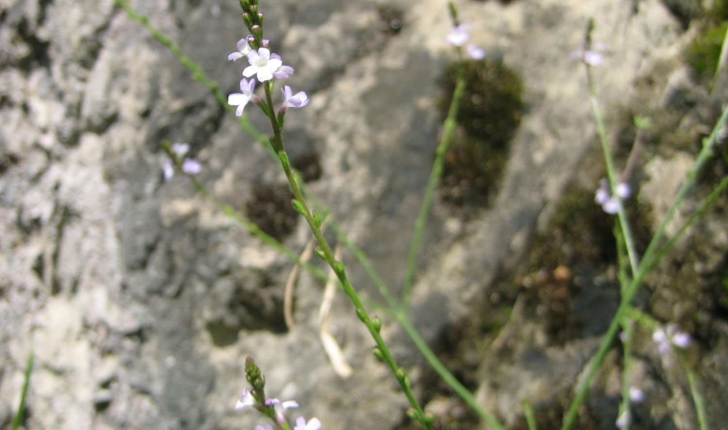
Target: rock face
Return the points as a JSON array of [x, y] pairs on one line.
[[141, 298]]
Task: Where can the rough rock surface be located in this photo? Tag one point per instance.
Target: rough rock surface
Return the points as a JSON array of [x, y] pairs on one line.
[[141, 298]]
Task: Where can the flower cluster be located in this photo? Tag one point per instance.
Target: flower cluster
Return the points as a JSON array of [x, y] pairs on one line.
[[263, 65], [178, 157], [625, 418], [592, 57], [459, 35], [670, 336], [272, 408], [610, 203]]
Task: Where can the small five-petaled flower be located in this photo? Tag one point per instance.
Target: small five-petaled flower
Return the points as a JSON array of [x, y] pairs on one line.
[[313, 424]]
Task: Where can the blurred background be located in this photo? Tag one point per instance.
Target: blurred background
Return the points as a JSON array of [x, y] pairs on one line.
[[141, 298]]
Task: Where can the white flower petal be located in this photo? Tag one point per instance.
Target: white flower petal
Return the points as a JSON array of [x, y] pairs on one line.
[[264, 74], [274, 64], [235, 56], [250, 71]]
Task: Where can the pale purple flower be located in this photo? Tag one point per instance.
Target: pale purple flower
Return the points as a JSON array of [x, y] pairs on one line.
[[663, 344], [672, 336], [475, 52], [266, 427], [241, 99], [168, 169], [611, 206], [280, 407], [636, 395], [288, 404], [180, 149], [301, 424], [601, 196], [299, 100], [592, 57], [262, 64], [282, 72], [678, 338], [623, 419], [246, 399], [623, 190], [610, 203], [191, 166], [243, 50], [459, 35]]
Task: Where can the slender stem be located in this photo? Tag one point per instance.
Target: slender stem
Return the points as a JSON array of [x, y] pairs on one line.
[[17, 421], [530, 416], [695, 392], [435, 174], [325, 251], [444, 374], [628, 330], [709, 201], [651, 258], [705, 154], [368, 268], [256, 231], [723, 56], [611, 173]]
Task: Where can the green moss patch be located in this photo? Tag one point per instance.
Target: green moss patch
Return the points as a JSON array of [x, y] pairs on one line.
[[270, 208], [488, 116]]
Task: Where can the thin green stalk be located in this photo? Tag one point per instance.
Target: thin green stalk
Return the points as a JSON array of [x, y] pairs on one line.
[[705, 154], [256, 231], [530, 416], [697, 397], [611, 173], [324, 251], [24, 392], [723, 57], [197, 73], [651, 258], [253, 228], [361, 256], [628, 330], [435, 174], [398, 313], [707, 203], [622, 259], [445, 374]]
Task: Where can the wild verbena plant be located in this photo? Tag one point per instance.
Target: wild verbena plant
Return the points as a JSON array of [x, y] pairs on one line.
[[265, 68], [270, 408]]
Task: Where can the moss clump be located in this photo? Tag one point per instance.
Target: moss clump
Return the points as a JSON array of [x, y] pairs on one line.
[[270, 208], [488, 116], [704, 53]]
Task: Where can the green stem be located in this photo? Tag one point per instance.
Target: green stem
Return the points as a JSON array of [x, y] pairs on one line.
[[444, 374], [256, 231], [530, 416], [435, 174], [368, 268], [709, 201], [628, 330], [612, 174], [695, 392], [651, 258], [398, 313], [325, 252], [17, 421]]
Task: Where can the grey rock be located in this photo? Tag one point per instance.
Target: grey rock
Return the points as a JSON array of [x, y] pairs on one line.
[[145, 298]]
